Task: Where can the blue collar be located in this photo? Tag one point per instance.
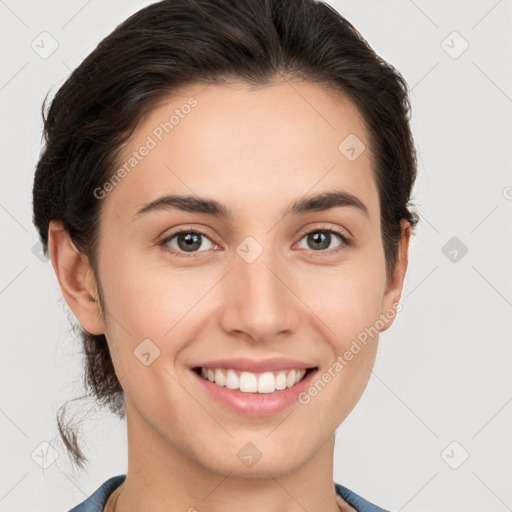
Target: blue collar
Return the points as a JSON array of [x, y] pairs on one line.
[[96, 502]]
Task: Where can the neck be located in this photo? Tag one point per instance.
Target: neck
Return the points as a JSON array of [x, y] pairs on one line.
[[162, 477]]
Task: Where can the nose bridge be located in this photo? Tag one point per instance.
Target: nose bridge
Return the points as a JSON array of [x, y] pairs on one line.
[[259, 303]]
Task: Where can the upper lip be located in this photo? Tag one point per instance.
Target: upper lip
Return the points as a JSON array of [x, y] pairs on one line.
[[257, 365]]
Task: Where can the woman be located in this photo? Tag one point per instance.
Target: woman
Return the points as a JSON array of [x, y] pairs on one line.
[[224, 194]]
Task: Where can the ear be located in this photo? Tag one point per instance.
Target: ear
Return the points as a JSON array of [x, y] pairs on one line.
[[395, 283], [76, 279]]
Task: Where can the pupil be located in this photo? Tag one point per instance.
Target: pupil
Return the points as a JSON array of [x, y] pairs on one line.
[[192, 241], [318, 238]]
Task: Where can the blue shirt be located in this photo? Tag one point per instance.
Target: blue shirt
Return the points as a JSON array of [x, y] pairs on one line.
[[98, 499]]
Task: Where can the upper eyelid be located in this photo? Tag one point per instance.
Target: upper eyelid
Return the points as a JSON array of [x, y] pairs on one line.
[[337, 231]]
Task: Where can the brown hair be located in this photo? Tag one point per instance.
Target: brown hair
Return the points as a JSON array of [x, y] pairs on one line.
[[174, 43]]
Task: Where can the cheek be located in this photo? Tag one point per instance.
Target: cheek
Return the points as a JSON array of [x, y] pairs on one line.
[[151, 311], [154, 302], [348, 311], [347, 299]]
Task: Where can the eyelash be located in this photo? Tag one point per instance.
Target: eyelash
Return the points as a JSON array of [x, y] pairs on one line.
[[346, 242]]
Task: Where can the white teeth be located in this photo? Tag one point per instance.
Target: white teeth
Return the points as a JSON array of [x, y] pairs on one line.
[[290, 380], [220, 379], [266, 383], [281, 381], [232, 380], [249, 382]]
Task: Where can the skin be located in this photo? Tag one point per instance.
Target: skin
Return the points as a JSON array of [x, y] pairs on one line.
[[256, 151]]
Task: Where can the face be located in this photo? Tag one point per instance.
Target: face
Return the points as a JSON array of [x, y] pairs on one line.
[[260, 291]]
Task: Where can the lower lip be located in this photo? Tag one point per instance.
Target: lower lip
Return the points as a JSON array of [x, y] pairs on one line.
[[256, 404]]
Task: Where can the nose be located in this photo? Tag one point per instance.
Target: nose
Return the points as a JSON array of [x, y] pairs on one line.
[[259, 301]]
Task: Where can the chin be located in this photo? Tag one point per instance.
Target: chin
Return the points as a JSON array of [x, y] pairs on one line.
[[248, 462]]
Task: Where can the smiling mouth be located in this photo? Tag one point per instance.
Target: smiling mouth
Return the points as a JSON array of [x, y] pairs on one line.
[[251, 382]]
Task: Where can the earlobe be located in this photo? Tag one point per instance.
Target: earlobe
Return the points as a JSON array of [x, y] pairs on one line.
[[76, 278], [396, 281]]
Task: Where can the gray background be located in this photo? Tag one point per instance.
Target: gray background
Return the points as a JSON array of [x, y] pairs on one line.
[[441, 388]]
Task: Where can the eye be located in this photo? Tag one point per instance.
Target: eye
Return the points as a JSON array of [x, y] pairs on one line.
[[320, 239], [190, 241], [186, 241]]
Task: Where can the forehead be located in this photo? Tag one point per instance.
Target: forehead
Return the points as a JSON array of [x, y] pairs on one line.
[[245, 146]]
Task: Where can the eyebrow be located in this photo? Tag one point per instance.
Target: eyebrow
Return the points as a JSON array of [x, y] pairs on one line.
[[194, 204]]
